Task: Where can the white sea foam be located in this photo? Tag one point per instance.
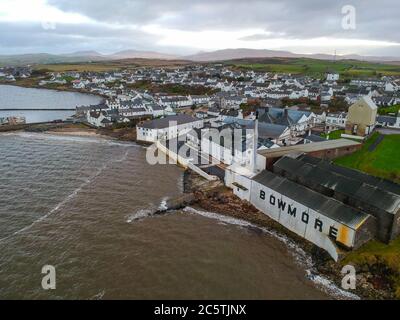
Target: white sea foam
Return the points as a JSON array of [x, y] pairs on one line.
[[302, 258], [163, 205], [148, 212], [99, 296], [140, 214]]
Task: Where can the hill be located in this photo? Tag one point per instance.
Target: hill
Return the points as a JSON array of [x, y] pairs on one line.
[[232, 54], [214, 56]]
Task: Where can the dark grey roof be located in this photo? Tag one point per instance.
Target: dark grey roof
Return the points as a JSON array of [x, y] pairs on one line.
[[165, 122], [270, 131], [386, 119], [329, 207], [157, 107], [317, 175], [354, 174], [280, 116]]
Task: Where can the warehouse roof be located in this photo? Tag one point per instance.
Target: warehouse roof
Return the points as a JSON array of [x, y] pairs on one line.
[[167, 121], [354, 174], [315, 175], [329, 207], [310, 147]]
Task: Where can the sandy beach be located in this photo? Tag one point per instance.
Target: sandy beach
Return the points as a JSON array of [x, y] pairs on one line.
[[75, 132]]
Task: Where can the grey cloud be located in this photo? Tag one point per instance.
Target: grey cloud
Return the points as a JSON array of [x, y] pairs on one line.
[[295, 19], [299, 19], [32, 37]]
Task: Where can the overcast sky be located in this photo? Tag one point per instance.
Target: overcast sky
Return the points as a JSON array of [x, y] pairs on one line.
[[189, 26]]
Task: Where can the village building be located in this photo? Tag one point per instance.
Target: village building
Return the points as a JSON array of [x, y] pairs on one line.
[[332, 76], [167, 128], [361, 118], [99, 119], [336, 120], [389, 121], [336, 208]]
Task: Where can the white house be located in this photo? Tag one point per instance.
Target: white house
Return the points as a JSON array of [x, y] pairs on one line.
[[336, 120], [176, 102], [156, 110], [167, 128], [332, 76], [98, 119], [199, 99]]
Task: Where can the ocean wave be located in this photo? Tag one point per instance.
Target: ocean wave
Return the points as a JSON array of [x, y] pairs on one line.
[[163, 205], [148, 212], [68, 198], [140, 214], [301, 257]]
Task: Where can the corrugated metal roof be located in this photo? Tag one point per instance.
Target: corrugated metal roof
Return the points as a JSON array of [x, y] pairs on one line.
[[321, 174], [354, 174], [331, 208], [309, 147]]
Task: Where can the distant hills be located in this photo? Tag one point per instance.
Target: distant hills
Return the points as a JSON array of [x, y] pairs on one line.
[[219, 55], [80, 57], [235, 54]]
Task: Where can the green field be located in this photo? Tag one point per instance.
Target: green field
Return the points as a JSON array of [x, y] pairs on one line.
[[389, 110], [334, 135], [107, 66], [383, 162], [317, 68]]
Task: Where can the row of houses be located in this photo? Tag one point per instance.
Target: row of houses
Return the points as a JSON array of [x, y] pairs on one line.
[[239, 85]]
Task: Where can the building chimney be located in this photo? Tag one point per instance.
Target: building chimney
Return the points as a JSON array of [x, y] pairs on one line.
[[255, 145]]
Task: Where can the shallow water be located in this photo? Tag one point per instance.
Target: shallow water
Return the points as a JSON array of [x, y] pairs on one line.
[[12, 97]]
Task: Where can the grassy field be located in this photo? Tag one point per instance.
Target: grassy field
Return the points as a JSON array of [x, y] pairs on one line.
[[334, 135], [381, 259], [313, 67], [389, 110], [382, 162], [89, 67], [317, 68], [105, 66]]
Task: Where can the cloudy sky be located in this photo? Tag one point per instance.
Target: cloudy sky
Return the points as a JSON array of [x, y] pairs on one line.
[[190, 26]]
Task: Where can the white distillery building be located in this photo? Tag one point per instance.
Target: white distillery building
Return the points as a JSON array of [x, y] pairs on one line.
[[167, 128], [336, 208], [324, 221]]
